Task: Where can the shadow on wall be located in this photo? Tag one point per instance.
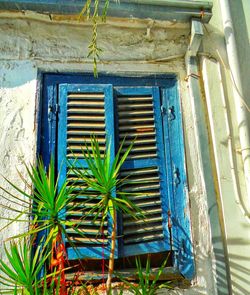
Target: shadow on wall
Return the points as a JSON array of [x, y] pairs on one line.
[[236, 268], [242, 35]]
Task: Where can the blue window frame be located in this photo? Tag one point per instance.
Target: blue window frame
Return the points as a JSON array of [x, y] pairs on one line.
[[112, 107]]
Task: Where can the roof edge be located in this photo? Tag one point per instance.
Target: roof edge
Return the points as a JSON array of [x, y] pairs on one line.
[[172, 10]]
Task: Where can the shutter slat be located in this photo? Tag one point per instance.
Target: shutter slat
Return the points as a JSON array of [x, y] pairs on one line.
[[136, 120], [85, 241], [80, 222], [85, 118], [81, 140], [138, 172], [129, 230], [86, 133], [90, 231], [86, 96], [145, 237], [139, 141], [143, 221], [140, 128], [72, 147], [86, 125], [142, 188], [80, 103], [140, 149], [142, 106], [131, 135], [132, 113], [132, 98], [84, 111]]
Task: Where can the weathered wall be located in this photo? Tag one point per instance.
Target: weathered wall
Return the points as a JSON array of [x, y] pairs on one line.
[[228, 174], [17, 131], [32, 43]]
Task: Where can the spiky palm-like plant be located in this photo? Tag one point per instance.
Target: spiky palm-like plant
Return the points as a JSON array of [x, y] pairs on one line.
[[148, 284], [48, 202], [102, 176], [21, 272]]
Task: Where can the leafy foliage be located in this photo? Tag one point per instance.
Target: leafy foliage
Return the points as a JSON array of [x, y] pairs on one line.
[[25, 265], [93, 50], [46, 216], [102, 176], [147, 285], [48, 201], [20, 274]]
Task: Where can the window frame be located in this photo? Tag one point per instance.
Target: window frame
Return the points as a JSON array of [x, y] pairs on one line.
[[171, 107]]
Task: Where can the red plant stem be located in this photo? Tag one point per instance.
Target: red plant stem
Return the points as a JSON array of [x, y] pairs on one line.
[[58, 260]]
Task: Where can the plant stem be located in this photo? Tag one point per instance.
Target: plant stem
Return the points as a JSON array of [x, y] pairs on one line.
[[112, 255]]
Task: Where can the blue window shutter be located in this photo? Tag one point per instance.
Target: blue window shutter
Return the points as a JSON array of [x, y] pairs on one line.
[[139, 116], [84, 110], [167, 165], [173, 136]]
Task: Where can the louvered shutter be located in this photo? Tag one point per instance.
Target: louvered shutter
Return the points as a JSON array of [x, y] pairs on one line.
[[84, 110], [139, 116]]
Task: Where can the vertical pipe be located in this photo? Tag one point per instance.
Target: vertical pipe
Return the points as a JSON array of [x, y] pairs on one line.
[[241, 112]]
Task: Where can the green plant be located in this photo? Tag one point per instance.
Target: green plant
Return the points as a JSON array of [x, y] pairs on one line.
[[49, 201], [148, 284], [23, 268], [93, 49], [102, 176]]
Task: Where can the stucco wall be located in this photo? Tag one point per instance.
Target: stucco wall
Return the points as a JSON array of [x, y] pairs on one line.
[[228, 174], [17, 132], [31, 43]]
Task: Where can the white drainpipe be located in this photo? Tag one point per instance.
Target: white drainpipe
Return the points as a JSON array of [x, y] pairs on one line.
[[241, 111]]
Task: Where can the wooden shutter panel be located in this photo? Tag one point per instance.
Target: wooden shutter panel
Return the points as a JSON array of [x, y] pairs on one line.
[[139, 116], [84, 110], [173, 133]]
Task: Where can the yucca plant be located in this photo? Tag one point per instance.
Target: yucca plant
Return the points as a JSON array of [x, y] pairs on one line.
[[49, 201], [102, 176], [19, 274], [148, 284]]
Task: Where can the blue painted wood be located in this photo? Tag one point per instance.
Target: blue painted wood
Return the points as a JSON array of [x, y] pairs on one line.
[[173, 131], [110, 141], [137, 80], [88, 252], [159, 162], [144, 248], [48, 122], [64, 90], [62, 137], [140, 163]]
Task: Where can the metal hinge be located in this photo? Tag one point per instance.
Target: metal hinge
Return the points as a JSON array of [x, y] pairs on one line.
[[53, 110], [177, 179], [163, 110], [171, 113]]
